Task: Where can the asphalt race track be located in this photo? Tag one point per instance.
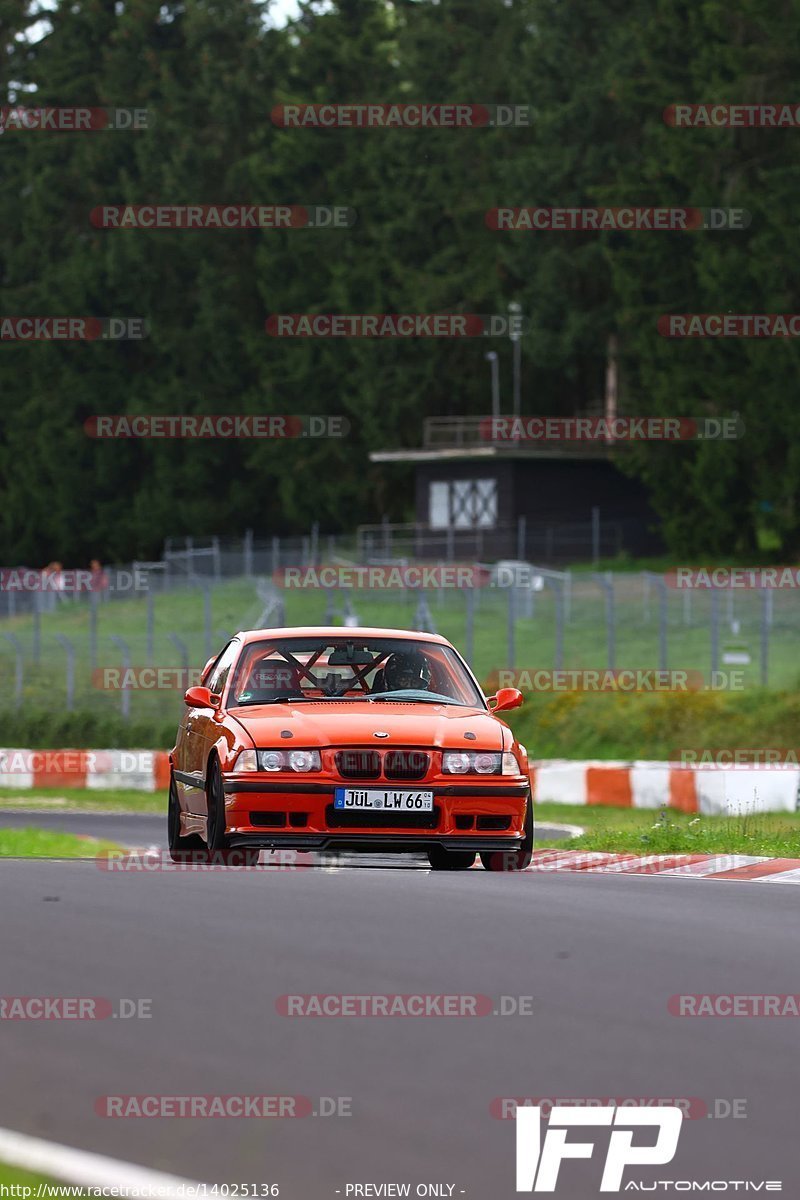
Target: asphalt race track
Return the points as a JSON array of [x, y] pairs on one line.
[[213, 950]]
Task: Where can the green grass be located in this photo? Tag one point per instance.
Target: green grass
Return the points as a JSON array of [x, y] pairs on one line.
[[77, 799], [42, 843], [653, 831], [20, 1178], [613, 725]]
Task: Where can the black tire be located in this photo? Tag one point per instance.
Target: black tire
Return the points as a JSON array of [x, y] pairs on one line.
[[216, 837], [450, 860], [513, 860], [181, 848], [218, 847]]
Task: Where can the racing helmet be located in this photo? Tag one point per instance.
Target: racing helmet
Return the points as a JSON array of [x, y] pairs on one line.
[[406, 670]]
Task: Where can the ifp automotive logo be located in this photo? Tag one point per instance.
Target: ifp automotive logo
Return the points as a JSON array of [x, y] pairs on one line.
[[538, 1161]]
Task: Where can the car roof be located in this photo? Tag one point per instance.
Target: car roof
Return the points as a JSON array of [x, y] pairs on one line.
[[339, 631]]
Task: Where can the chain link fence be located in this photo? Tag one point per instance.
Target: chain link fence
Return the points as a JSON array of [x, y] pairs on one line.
[[134, 648]]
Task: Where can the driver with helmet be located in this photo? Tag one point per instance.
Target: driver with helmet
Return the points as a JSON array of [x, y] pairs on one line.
[[406, 670]]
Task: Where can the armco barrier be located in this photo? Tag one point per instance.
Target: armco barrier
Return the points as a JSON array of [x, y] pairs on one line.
[[709, 790]]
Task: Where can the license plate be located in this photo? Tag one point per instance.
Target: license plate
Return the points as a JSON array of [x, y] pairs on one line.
[[384, 799]]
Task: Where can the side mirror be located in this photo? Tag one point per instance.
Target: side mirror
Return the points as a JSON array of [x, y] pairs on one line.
[[201, 697], [506, 698]]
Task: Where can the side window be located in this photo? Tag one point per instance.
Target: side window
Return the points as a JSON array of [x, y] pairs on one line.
[[219, 675]]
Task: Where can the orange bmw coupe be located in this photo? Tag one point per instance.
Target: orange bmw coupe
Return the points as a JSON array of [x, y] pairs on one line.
[[324, 739]]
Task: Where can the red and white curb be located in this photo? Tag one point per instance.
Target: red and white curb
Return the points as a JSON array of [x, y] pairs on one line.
[[743, 867], [709, 790]]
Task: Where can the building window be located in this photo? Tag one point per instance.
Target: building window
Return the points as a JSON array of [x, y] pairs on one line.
[[463, 504]]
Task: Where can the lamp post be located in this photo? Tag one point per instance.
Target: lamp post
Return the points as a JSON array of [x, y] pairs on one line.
[[514, 310], [491, 357]]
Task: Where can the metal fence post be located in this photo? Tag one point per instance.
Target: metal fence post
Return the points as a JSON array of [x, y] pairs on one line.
[[662, 624], [207, 618], [125, 704], [559, 590], [150, 624], [423, 618], [37, 628], [19, 668], [183, 651], [714, 632], [765, 623], [216, 557], [276, 554], [469, 631], [70, 649], [521, 537], [93, 630], [330, 610], [512, 629], [248, 554], [606, 582], [315, 542]]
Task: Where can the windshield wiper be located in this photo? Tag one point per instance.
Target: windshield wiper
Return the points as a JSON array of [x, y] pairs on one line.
[[414, 699]]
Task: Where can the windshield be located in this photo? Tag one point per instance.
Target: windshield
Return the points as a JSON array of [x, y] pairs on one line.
[[365, 669]]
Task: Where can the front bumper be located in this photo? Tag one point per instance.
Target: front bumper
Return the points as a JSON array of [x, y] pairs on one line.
[[300, 815]]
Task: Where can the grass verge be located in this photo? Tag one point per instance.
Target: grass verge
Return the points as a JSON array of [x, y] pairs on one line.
[[44, 843], [665, 831], [82, 799]]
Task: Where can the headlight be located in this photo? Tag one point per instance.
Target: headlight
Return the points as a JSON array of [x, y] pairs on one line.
[[474, 762], [304, 760], [289, 760], [456, 763], [246, 761]]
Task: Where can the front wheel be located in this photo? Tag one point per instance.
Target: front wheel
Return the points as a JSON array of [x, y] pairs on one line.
[[450, 860], [218, 845], [216, 836], [513, 860]]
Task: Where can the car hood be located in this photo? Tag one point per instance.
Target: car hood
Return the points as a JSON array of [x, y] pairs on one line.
[[348, 723]]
